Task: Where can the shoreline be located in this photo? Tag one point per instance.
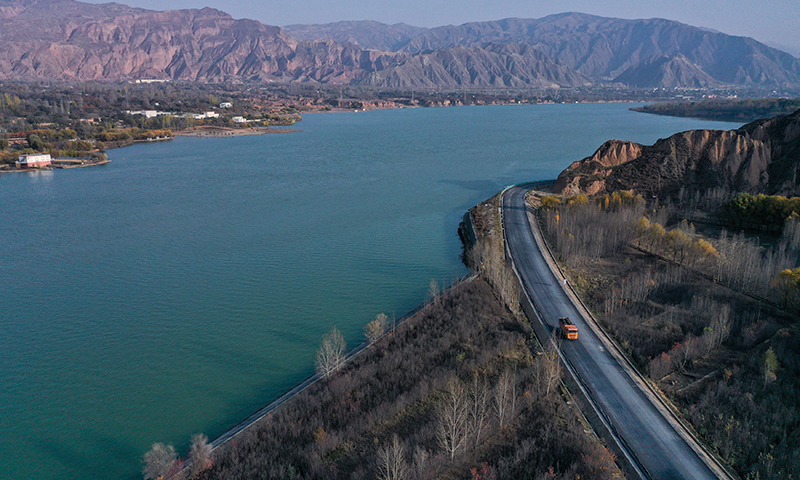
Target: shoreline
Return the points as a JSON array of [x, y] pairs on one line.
[[255, 418], [213, 132], [65, 163]]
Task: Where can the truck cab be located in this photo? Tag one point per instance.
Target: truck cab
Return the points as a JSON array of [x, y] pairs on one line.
[[569, 329]]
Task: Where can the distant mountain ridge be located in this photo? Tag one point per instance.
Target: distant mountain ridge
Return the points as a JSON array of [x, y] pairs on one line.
[[643, 53], [493, 66], [366, 34], [71, 40]]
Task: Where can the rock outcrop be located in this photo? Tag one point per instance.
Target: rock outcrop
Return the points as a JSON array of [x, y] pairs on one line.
[[760, 157]]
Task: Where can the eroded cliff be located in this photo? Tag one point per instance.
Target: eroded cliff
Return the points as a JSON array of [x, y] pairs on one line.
[[760, 157]]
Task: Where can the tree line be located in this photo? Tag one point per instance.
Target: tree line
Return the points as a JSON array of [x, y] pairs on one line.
[[767, 213]]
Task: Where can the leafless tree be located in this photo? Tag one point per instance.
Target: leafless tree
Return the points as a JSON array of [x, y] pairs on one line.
[[504, 392], [478, 408], [331, 352], [592, 230], [392, 464], [748, 266], [451, 416], [687, 351], [434, 291], [488, 258], [199, 453], [158, 461], [720, 326], [420, 462], [548, 366]]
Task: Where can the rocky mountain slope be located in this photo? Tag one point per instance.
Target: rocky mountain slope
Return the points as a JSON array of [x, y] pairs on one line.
[[71, 40], [509, 65], [760, 157], [604, 48], [641, 53], [366, 33]]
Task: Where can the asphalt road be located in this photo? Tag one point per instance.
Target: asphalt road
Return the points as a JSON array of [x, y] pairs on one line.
[[645, 432]]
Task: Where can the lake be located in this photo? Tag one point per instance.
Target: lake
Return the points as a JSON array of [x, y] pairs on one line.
[[188, 283]]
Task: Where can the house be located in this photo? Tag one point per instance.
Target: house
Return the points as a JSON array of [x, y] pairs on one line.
[[239, 119], [34, 160], [226, 105], [146, 113]]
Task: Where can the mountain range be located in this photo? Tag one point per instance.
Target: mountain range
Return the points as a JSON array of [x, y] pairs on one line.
[[71, 40]]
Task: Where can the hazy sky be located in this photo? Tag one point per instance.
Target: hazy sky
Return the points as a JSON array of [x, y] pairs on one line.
[[772, 21]]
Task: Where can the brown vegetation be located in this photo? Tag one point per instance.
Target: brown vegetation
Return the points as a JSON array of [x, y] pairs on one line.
[[727, 360], [456, 386]]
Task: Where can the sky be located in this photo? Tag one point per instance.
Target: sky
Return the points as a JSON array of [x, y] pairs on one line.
[[772, 21]]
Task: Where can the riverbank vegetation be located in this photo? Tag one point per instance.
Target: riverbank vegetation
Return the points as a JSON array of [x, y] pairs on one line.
[[709, 315], [455, 392], [724, 109], [83, 120]]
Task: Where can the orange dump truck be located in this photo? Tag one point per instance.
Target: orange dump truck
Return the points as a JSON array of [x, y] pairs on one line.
[[568, 328]]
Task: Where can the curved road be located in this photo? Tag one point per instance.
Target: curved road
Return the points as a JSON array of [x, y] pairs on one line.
[[652, 442]]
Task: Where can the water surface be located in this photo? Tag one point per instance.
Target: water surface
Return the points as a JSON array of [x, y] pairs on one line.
[[187, 284]]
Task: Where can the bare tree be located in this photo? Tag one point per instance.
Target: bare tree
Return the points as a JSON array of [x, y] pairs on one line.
[[451, 418], [548, 366], [331, 352], [392, 464], [434, 291], [200, 453], [720, 327], [478, 408], [686, 352], [488, 257], [503, 393], [420, 462], [158, 461]]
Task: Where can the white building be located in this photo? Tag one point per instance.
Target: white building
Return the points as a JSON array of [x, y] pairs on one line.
[[146, 113], [239, 119], [226, 105], [34, 160]]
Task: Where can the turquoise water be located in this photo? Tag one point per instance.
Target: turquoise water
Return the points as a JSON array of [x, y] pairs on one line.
[[186, 284]]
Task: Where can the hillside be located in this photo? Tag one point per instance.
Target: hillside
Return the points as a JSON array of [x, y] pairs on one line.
[[509, 65], [366, 33], [69, 40], [605, 48], [75, 41], [760, 157]]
